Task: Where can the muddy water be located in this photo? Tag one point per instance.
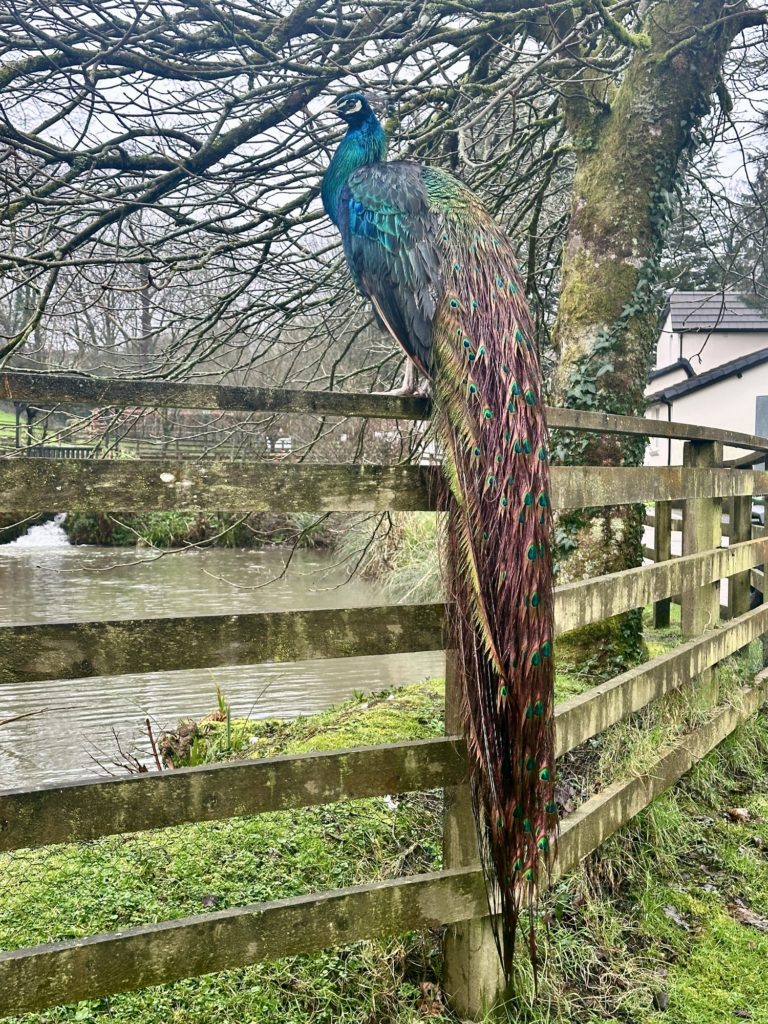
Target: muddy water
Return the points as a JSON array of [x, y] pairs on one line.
[[73, 725]]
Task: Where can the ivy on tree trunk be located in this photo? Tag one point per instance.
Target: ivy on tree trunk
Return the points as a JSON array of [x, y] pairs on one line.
[[630, 143]]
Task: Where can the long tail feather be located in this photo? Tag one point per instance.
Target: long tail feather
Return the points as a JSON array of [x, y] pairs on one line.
[[491, 424]]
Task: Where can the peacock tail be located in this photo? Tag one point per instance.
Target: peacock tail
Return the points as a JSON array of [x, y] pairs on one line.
[[494, 438], [442, 278]]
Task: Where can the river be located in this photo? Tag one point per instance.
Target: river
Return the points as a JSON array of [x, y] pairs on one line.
[[76, 729]]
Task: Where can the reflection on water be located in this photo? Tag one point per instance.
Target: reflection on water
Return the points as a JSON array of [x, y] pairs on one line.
[[73, 722]]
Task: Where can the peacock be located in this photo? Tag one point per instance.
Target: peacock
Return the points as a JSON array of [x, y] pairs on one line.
[[443, 281]]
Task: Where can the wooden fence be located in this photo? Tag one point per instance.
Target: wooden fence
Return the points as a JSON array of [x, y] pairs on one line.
[[63, 972], [58, 451], [229, 447]]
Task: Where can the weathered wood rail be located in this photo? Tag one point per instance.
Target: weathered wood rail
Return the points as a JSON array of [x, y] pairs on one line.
[[149, 485], [63, 972], [76, 650], [61, 389], [85, 810]]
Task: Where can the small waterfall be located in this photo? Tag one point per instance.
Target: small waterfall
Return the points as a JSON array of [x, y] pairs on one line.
[[46, 535]]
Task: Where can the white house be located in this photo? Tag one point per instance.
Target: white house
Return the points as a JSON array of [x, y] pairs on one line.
[[711, 369]]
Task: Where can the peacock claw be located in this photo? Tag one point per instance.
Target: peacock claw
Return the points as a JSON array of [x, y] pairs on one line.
[[423, 390]]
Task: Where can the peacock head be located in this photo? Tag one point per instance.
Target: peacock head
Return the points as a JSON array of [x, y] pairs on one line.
[[354, 108]]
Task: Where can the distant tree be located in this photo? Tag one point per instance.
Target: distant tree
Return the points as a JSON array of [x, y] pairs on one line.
[[718, 237], [750, 234]]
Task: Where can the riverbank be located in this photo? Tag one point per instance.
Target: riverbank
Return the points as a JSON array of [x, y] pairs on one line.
[[184, 529], [65, 728], [208, 529], [668, 924]]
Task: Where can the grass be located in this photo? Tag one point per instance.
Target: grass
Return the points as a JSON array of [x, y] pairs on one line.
[[70, 891], [399, 550], [657, 919], [653, 930], [7, 425]]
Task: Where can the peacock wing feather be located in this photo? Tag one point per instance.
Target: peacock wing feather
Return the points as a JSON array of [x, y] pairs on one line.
[[389, 230]]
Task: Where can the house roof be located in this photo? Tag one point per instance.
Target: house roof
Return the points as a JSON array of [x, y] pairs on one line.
[[705, 380], [679, 364], [716, 311]]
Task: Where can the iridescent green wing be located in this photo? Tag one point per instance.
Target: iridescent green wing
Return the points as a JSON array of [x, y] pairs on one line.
[[391, 233]]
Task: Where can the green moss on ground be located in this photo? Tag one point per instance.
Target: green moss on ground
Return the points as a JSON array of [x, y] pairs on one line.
[[413, 712], [69, 891], [671, 912]]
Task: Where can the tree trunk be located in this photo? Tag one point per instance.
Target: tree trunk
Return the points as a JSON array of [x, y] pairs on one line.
[[630, 143]]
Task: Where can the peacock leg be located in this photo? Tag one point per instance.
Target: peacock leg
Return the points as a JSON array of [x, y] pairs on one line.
[[409, 385], [424, 390]]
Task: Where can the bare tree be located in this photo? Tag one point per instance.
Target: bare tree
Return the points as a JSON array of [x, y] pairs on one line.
[[159, 167]]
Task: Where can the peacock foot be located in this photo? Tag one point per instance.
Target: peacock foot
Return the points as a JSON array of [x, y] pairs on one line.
[[410, 386]]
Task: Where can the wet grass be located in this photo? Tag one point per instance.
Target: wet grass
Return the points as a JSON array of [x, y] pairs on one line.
[[69, 891], [669, 923]]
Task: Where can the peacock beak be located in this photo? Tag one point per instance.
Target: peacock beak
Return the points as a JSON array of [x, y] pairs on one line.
[[332, 108]]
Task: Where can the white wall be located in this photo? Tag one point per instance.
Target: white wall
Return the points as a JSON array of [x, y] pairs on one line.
[[706, 350], [666, 381], [729, 404], [657, 452], [668, 345]]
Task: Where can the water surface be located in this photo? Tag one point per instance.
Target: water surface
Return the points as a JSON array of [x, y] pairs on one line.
[[75, 724]]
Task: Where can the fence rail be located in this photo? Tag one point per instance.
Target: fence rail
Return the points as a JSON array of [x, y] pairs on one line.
[[145, 486], [57, 451], [79, 811], [69, 389], [76, 650], [36, 978], [63, 972]]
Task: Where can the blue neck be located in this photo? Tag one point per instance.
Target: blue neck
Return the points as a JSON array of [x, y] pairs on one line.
[[363, 144]]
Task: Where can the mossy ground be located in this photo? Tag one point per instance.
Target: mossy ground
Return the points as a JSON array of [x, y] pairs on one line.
[[657, 919]]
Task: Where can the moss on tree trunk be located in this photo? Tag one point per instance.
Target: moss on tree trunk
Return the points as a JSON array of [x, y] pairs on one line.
[[630, 142]]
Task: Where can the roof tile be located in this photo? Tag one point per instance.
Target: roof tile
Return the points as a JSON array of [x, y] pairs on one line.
[[716, 311]]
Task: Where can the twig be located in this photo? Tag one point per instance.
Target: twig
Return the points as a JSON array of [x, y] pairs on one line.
[[158, 762]]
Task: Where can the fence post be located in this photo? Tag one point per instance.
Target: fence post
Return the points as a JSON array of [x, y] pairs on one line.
[[662, 550], [472, 976], [702, 527], [740, 516], [701, 532]]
